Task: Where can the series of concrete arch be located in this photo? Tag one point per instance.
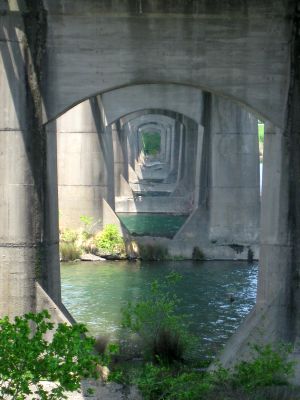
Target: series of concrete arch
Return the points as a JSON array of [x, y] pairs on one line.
[[214, 148], [194, 61]]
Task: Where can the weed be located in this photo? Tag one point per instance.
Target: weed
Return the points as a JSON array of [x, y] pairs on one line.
[[69, 251]]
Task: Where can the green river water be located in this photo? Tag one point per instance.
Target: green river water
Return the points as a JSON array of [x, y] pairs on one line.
[[152, 224], [95, 292]]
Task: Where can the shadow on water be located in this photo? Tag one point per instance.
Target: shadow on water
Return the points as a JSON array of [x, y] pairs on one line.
[[216, 295]]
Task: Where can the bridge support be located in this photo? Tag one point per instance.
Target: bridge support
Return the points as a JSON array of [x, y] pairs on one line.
[[276, 316]]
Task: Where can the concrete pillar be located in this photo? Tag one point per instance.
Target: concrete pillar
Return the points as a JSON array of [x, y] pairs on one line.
[[234, 179], [173, 145], [85, 176], [131, 143], [276, 316], [190, 154], [180, 154], [25, 240], [120, 157], [275, 273], [168, 145], [198, 166]]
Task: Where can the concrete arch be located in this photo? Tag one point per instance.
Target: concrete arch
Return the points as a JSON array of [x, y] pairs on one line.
[[164, 98], [220, 65]]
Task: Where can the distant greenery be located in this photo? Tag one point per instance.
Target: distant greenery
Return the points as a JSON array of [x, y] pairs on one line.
[[106, 242], [27, 359], [151, 143], [261, 132]]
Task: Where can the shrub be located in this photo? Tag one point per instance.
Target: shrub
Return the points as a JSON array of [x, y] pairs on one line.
[[69, 251], [268, 367], [259, 379], [109, 241], [153, 252], [161, 382], [162, 331], [26, 359]]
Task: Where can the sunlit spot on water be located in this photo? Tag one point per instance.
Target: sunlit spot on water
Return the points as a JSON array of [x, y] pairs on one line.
[[216, 295]]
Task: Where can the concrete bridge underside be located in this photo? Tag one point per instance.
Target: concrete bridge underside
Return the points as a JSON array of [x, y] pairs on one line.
[[55, 54]]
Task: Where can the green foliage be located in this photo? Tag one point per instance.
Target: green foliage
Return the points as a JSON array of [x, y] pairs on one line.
[[268, 367], [27, 359], [87, 221], [161, 382], [111, 350], [251, 380], [151, 252], [88, 224], [197, 254], [151, 143], [69, 251], [109, 241], [261, 132], [162, 330]]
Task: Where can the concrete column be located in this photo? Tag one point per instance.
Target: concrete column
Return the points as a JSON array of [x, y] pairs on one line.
[[180, 154], [198, 166], [24, 179], [190, 155], [85, 176], [131, 144], [234, 192], [275, 274], [173, 144], [168, 145], [120, 157]]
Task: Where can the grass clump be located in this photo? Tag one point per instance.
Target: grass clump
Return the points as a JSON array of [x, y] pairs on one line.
[[69, 251], [68, 247]]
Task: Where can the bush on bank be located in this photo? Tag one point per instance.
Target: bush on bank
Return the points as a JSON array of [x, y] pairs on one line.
[[264, 377], [108, 242]]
